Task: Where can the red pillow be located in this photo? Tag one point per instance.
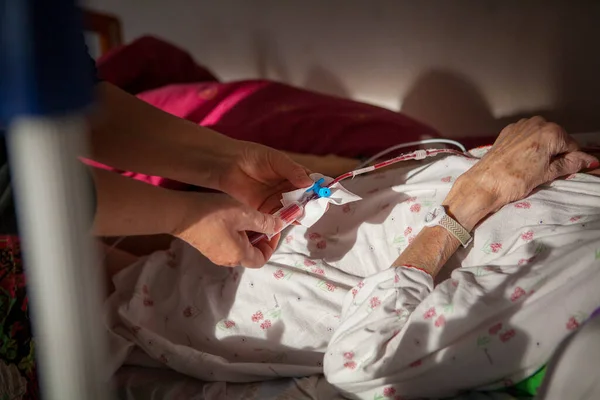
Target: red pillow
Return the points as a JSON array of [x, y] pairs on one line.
[[288, 118], [271, 113], [274, 114], [149, 63]]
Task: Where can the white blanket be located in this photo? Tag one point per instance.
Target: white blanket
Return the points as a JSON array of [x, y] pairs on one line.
[[327, 296]]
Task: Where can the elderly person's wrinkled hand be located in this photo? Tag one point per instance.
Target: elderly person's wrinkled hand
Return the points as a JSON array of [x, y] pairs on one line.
[[526, 155]]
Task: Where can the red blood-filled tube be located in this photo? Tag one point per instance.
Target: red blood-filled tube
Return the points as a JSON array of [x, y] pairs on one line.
[[295, 210], [287, 214]]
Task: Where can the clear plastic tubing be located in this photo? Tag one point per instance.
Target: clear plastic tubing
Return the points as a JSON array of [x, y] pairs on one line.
[[287, 214], [295, 210]]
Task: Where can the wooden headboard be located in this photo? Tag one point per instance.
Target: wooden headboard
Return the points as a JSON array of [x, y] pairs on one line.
[[105, 29]]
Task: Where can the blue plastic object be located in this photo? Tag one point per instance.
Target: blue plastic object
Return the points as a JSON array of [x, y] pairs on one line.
[[319, 190], [44, 66]]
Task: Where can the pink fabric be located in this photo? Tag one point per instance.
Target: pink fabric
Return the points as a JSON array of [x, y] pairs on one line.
[[149, 63], [270, 113], [288, 118], [150, 179]]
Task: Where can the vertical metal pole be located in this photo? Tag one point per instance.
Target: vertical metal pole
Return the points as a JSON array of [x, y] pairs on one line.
[[45, 87], [53, 206]]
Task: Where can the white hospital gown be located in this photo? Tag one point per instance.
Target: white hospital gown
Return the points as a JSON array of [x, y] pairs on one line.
[[328, 302]]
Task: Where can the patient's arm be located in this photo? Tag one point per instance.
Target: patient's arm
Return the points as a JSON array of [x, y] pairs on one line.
[[433, 246], [526, 155]]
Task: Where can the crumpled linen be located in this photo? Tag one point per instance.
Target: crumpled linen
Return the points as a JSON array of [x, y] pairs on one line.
[[316, 208]]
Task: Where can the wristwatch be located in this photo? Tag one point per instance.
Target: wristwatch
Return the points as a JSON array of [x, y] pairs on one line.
[[437, 217]]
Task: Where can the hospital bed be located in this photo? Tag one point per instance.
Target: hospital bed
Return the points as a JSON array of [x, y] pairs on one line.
[[142, 383], [168, 383]]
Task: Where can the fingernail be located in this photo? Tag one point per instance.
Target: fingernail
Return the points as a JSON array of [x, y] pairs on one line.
[[305, 177], [594, 164]]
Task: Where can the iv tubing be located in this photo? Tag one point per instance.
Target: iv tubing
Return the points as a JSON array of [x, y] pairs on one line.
[[410, 144], [415, 155]]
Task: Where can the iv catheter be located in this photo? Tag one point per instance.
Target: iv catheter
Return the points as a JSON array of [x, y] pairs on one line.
[[290, 213]]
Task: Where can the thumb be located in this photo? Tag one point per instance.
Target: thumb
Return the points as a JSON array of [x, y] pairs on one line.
[[569, 163], [256, 221], [290, 170]]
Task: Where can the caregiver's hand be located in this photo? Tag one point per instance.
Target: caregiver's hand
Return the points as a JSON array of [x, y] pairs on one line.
[[131, 135], [526, 154], [216, 225], [256, 175]]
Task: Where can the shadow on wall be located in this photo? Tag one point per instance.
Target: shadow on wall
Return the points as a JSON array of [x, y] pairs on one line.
[[450, 101], [455, 106], [578, 95], [270, 65], [321, 80], [445, 100]]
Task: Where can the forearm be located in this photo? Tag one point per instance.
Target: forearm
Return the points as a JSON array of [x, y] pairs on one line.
[[432, 247], [429, 251], [126, 207], [129, 134]]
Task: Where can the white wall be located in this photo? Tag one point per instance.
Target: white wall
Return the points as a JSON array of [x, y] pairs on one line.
[[466, 67]]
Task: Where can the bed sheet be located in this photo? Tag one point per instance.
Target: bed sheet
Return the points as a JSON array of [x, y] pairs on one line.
[[280, 386], [136, 383], [226, 107]]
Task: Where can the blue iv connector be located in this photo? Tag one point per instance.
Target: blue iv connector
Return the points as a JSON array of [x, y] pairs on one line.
[[319, 190]]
